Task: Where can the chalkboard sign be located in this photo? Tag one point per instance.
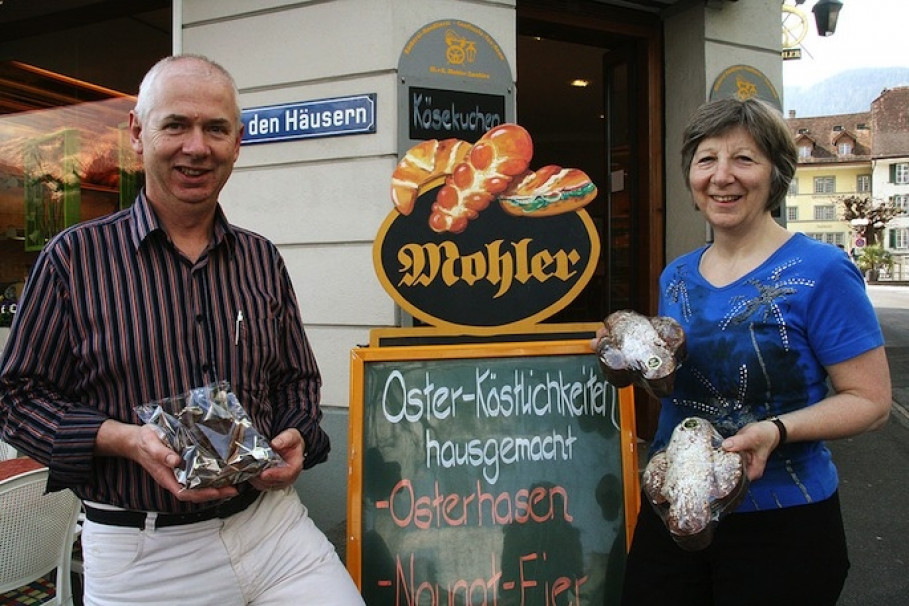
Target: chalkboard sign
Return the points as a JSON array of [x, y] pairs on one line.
[[488, 474]]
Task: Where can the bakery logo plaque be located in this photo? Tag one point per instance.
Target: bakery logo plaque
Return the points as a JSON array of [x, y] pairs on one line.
[[454, 81], [479, 240], [744, 82]]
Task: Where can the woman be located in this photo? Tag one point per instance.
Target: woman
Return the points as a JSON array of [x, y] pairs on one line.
[[772, 319]]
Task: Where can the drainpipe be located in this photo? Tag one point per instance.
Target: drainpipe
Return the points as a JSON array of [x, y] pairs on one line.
[[177, 27]]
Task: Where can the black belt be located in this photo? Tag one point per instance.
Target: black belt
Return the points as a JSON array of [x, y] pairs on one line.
[[136, 519]]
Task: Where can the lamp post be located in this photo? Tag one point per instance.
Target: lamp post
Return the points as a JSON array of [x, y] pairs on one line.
[[826, 12]]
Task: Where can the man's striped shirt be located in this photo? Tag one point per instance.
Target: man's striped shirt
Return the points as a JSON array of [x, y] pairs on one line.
[[113, 316]]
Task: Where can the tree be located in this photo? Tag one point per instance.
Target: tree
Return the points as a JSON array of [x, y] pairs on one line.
[[868, 217]]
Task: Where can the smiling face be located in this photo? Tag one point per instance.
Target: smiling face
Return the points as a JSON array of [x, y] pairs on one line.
[[189, 137], [730, 179]]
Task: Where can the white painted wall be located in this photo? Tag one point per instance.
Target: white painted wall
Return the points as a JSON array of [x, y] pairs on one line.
[[700, 43]]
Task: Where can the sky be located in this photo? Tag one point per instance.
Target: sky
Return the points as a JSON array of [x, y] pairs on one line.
[[869, 33]]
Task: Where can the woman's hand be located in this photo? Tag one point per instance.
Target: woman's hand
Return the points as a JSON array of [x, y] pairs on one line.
[[754, 442], [601, 332], [860, 402]]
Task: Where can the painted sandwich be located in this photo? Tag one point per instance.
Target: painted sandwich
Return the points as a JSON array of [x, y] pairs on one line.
[[550, 190], [472, 176]]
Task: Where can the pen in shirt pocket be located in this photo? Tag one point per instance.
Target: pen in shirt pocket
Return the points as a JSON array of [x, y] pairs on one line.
[[237, 327]]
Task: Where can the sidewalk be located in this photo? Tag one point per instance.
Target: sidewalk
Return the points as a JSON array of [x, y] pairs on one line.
[[873, 469]]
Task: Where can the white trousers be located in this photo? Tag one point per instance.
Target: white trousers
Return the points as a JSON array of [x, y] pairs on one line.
[[271, 554]]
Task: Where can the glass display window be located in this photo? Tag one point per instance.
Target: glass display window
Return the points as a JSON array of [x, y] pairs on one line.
[[59, 165]]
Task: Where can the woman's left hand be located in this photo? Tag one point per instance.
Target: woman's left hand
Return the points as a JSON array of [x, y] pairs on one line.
[[754, 442], [860, 402]]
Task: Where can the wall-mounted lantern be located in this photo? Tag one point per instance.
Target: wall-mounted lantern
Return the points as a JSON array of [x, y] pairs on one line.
[[826, 12]]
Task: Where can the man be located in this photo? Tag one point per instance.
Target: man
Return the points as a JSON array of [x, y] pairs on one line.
[[151, 302]]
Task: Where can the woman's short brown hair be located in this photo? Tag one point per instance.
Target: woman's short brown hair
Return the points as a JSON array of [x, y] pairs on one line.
[[763, 122]]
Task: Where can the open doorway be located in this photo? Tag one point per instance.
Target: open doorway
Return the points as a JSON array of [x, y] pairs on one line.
[[589, 92], [580, 93]]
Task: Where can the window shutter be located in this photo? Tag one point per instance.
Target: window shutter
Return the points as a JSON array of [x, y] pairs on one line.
[[892, 174], [892, 234]]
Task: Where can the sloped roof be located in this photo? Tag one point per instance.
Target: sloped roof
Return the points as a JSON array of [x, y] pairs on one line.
[[826, 131], [890, 123]]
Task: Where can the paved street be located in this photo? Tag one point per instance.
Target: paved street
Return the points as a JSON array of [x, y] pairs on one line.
[[873, 471]]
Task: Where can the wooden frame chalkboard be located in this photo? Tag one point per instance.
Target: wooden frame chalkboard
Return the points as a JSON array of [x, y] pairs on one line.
[[500, 473]]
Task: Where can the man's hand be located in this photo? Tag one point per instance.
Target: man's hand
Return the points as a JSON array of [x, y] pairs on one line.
[[289, 444], [143, 445]]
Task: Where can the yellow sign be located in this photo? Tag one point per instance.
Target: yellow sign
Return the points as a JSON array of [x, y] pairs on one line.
[[744, 82]]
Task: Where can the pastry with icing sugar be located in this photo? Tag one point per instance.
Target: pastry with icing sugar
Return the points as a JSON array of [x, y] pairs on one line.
[[693, 483]]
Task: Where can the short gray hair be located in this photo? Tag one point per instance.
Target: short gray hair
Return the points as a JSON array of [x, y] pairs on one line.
[[148, 92], [763, 122]]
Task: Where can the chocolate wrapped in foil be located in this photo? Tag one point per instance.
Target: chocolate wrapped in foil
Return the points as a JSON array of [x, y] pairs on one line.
[[211, 431]]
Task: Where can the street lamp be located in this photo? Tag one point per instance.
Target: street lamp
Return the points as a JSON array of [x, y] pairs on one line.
[[826, 12]]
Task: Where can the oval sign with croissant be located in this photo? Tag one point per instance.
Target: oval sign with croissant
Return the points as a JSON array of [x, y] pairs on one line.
[[479, 241]]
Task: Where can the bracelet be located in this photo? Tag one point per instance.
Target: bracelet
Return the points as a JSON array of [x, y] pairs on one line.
[[780, 426]]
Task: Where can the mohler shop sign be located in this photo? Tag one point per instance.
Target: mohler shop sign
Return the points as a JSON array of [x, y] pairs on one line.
[[479, 241]]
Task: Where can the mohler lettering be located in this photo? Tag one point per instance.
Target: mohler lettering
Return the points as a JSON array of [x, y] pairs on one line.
[[450, 118], [500, 264]]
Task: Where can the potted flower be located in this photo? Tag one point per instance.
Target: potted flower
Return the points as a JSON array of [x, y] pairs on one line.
[[872, 259]]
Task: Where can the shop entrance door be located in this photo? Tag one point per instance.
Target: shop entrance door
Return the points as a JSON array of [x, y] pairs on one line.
[[585, 95], [589, 93]]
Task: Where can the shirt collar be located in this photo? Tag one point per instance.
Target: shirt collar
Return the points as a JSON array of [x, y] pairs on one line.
[[145, 222]]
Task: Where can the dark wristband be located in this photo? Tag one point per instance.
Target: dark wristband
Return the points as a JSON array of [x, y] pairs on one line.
[[780, 426]]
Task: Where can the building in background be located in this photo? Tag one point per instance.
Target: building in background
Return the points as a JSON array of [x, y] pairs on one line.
[[890, 168], [864, 155], [834, 161]]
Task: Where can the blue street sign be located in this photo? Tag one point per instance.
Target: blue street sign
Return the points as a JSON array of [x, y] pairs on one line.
[[310, 119]]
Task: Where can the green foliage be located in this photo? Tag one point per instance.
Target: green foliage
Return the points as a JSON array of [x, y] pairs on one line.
[[873, 258]]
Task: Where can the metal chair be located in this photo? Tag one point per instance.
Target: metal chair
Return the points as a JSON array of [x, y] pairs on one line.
[[36, 533]]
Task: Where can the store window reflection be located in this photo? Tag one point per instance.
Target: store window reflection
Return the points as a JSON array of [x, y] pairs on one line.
[[64, 158]]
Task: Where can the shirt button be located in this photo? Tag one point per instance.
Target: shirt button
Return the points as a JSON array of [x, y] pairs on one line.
[[199, 318]]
